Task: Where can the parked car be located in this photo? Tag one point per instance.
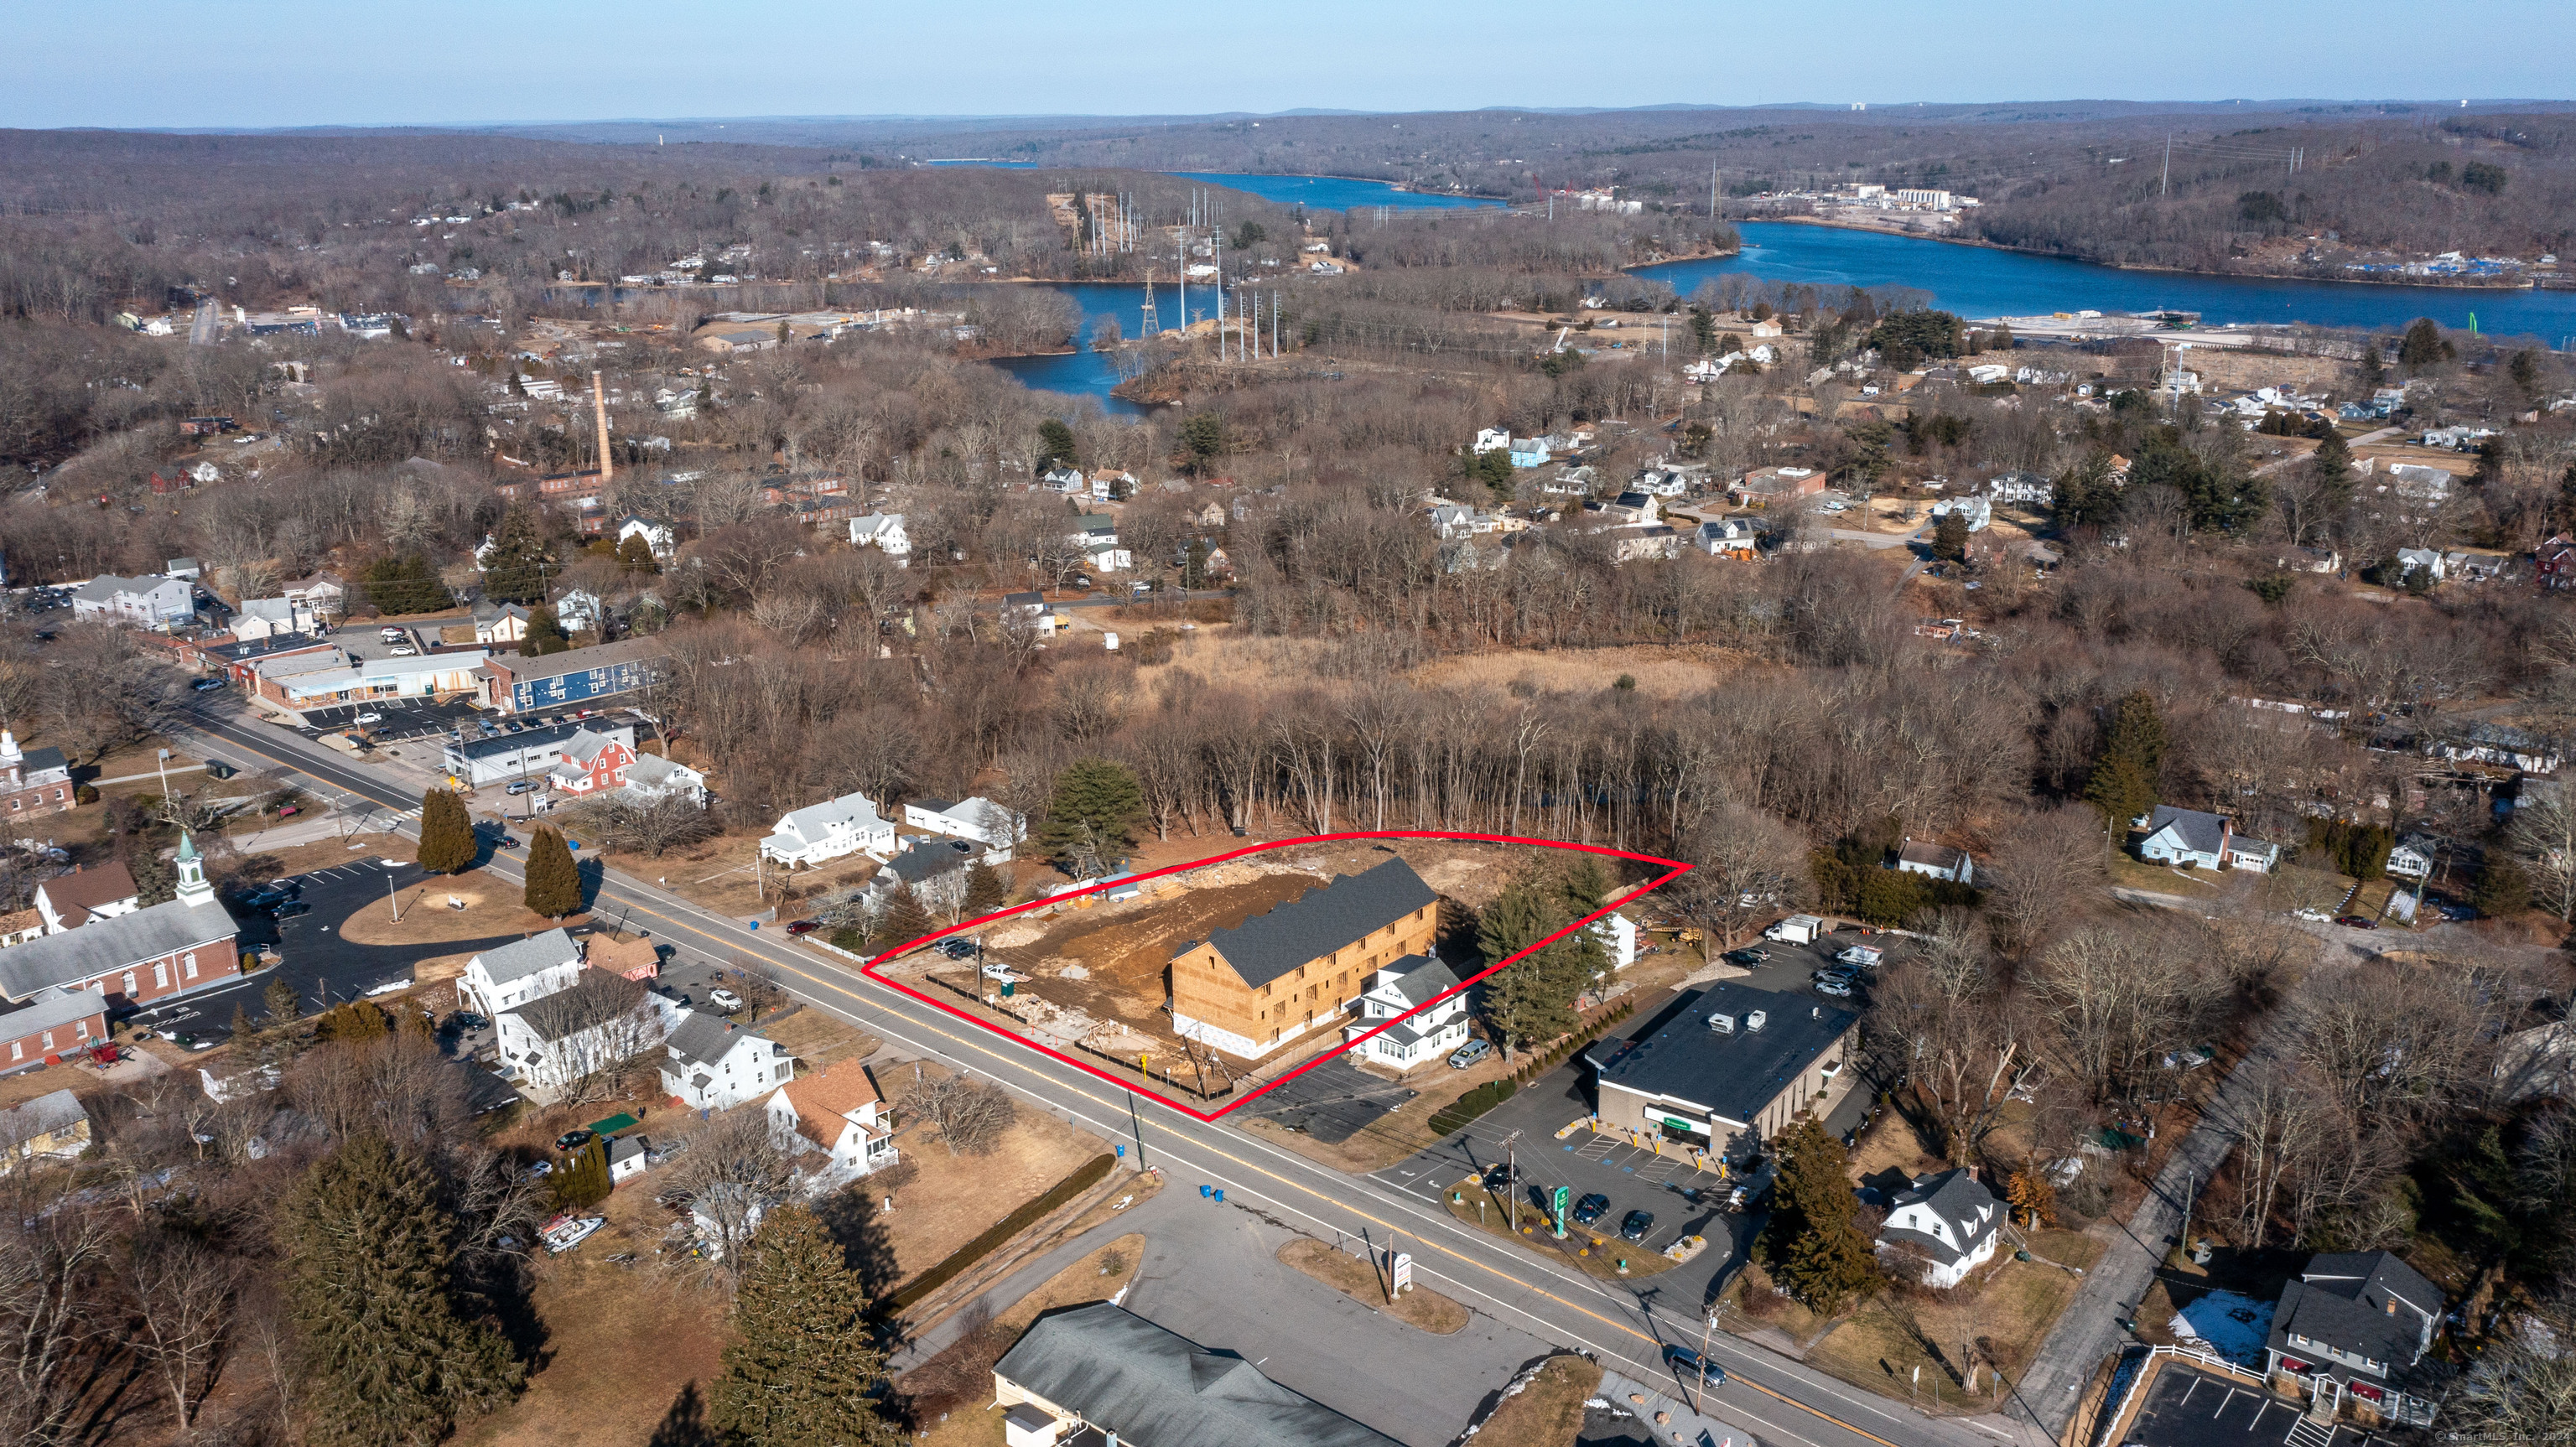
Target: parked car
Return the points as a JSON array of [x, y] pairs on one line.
[[202, 684], [804, 926], [1499, 1176], [1635, 1225], [293, 909], [1861, 955], [1469, 1053], [369, 717], [1839, 989], [267, 899], [1686, 1363], [2355, 921], [391, 634], [403, 650], [517, 787], [724, 999], [572, 1140], [2312, 914], [1591, 1208]]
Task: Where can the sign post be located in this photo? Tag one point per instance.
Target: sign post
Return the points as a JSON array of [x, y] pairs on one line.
[[1558, 1201], [1402, 1272]]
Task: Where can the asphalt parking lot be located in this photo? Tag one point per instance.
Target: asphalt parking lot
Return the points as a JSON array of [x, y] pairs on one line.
[[1334, 1101], [1634, 1178], [403, 718], [2187, 1407], [324, 968]]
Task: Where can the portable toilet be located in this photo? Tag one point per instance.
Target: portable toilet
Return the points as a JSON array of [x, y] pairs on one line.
[[1110, 641]]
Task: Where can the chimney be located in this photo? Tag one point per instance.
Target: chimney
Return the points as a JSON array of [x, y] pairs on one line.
[[599, 406]]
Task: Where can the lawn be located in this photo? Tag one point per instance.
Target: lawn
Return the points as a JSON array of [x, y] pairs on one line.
[[946, 1200], [625, 1347], [1994, 1323], [2128, 872], [946, 1391], [1547, 1408], [1419, 1306]]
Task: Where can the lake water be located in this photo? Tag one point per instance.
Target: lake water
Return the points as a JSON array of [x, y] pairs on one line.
[[1977, 281], [1086, 373], [1333, 193]]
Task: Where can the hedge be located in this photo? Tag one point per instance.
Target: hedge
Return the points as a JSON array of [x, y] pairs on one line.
[[1090, 1174], [1471, 1105]]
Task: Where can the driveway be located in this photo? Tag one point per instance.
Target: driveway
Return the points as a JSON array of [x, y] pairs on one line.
[[1334, 1101]]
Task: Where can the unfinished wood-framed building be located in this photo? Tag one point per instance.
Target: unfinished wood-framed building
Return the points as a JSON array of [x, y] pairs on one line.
[[1250, 989]]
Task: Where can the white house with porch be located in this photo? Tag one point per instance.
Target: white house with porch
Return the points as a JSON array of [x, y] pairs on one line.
[[1408, 984], [1947, 1221], [847, 825], [712, 1065], [978, 820]]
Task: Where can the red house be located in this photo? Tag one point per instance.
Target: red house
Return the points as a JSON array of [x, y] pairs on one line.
[[592, 762]]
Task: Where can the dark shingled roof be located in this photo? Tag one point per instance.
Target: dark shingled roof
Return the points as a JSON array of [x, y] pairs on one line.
[[2200, 833], [1263, 948], [1731, 1076], [1156, 1388], [1420, 979], [2344, 1300], [1957, 1198]]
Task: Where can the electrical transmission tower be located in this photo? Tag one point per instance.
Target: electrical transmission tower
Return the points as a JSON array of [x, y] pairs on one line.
[[1148, 325]]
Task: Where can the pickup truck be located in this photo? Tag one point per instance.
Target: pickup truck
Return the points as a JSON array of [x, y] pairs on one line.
[[346, 743]]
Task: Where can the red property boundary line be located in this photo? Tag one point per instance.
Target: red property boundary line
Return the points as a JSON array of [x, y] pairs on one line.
[[1674, 869]]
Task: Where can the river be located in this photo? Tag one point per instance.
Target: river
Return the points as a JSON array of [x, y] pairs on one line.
[[1973, 281], [1982, 281]]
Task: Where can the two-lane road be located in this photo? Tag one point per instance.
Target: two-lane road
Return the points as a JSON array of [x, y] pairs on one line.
[[1625, 1327]]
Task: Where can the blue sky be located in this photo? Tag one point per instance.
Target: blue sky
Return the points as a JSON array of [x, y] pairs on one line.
[[251, 63]]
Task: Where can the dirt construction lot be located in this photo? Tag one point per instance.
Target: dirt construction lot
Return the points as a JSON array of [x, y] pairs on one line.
[[1091, 970]]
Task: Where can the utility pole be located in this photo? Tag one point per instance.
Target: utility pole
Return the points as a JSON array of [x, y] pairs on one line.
[[2166, 184], [392, 905], [1706, 1327], [1512, 1177], [1137, 1125], [1712, 190]]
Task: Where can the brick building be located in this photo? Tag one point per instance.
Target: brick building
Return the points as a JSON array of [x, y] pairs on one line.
[[1250, 989], [154, 952]]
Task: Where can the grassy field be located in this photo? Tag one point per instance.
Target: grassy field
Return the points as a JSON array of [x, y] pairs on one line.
[[1547, 1411], [624, 1348], [1419, 1306]]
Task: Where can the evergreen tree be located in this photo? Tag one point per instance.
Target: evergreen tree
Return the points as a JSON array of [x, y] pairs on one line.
[[1819, 1252], [1532, 999], [242, 1029], [2125, 777], [1194, 563], [285, 1002], [354, 1020], [388, 1359], [405, 584], [2567, 498], [1092, 819], [2424, 347], [2332, 466], [1950, 538], [447, 844], [985, 890], [545, 634], [554, 882], [903, 920], [1055, 443], [2503, 889], [636, 555], [804, 1368], [514, 571], [582, 1177]]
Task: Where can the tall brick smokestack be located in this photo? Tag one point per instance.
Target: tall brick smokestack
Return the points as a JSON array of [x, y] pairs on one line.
[[599, 407]]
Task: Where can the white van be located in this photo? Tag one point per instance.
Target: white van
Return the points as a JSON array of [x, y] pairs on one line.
[[1861, 955]]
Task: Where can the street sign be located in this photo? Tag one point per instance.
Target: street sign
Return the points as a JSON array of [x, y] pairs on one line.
[[1402, 1275], [1558, 1202]]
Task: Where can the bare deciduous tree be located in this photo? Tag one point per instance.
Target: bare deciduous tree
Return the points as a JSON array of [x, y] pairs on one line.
[[184, 1290], [967, 1114]]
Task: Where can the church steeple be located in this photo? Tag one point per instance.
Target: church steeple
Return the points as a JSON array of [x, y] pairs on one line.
[[193, 889]]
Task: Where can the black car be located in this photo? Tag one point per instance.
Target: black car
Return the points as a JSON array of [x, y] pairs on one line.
[[1499, 1177], [957, 949], [572, 1140], [293, 908], [1686, 1362], [1590, 1209], [267, 899], [1635, 1225]]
